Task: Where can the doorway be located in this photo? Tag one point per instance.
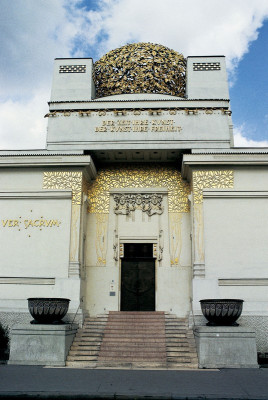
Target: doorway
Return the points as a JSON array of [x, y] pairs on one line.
[[138, 277]]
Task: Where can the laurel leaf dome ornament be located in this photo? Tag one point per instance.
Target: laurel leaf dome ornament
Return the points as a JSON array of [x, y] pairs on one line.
[[140, 68]]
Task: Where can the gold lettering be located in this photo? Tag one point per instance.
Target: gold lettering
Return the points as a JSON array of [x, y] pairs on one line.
[[108, 123], [54, 222], [36, 223], [4, 222], [10, 223], [101, 129], [122, 122], [140, 128], [163, 122], [120, 129], [16, 222]]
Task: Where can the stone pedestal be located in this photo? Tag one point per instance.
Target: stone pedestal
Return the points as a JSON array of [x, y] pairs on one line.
[[226, 347], [41, 344]]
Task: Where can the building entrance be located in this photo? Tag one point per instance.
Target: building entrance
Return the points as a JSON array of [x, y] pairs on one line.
[[138, 278]]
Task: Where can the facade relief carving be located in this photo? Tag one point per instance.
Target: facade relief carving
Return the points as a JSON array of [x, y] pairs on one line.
[[151, 203], [221, 179], [101, 238], [175, 220], [65, 180], [138, 176]]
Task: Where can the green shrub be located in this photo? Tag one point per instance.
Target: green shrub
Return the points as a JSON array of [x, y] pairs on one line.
[[4, 343]]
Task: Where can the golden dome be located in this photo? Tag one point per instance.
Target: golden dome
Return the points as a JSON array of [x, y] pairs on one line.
[[140, 68]]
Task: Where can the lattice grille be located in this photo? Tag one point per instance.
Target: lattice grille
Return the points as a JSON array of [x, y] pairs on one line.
[[207, 66], [71, 69]]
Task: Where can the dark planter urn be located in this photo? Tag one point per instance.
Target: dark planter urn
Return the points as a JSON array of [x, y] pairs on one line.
[[222, 312], [47, 310]]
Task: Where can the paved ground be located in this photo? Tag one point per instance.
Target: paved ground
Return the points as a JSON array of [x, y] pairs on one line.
[[66, 383]]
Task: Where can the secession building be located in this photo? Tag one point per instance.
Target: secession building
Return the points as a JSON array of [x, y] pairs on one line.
[[140, 164]]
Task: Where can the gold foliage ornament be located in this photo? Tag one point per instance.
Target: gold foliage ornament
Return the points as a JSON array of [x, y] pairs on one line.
[[138, 176], [65, 180], [220, 179], [141, 68]]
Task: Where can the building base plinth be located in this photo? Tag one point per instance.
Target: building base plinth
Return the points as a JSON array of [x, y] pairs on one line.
[[226, 347], [41, 344]]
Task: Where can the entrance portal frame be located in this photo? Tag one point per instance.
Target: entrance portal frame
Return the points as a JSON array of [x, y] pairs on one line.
[[137, 240]]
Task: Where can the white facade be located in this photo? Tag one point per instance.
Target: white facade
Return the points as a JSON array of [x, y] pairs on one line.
[[62, 234]]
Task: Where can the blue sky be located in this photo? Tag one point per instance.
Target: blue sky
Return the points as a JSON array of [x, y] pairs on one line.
[[249, 93], [34, 32]]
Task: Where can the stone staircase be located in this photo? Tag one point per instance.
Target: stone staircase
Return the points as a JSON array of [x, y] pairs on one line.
[[86, 345], [180, 343], [134, 340]]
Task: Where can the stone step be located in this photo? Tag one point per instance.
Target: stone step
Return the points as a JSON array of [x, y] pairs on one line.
[[183, 366], [128, 365], [82, 358], [84, 347], [128, 335], [145, 332], [87, 338], [91, 329], [135, 352], [143, 340], [131, 345], [181, 342], [180, 359], [81, 364], [144, 322], [89, 333], [181, 348], [111, 313], [131, 358], [83, 352], [136, 319], [180, 354]]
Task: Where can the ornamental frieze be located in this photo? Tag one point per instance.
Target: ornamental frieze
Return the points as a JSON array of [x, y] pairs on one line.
[[138, 176], [151, 203], [221, 179]]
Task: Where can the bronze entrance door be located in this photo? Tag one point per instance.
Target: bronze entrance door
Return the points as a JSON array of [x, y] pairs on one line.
[[138, 278]]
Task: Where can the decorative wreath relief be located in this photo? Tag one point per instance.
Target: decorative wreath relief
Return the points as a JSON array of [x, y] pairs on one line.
[[141, 68]]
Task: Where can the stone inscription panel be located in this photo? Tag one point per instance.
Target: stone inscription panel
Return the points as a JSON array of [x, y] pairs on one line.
[[123, 126], [139, 125], [34, 237]]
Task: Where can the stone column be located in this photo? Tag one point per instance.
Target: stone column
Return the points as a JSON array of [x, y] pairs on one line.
[[70, 180]]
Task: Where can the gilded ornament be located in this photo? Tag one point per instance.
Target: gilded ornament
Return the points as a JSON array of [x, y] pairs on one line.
[[151, 204], [101, 238], [65, 180], [141, 68], [175, 221], [220, 179], [138, 176]]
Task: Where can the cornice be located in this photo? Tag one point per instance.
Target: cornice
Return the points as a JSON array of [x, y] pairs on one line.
[[232, 159], [30, 161]]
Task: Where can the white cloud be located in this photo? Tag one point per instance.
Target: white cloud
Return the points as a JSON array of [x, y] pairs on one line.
[[34, 32], [22, 125], [193, 27], [241, 139]]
